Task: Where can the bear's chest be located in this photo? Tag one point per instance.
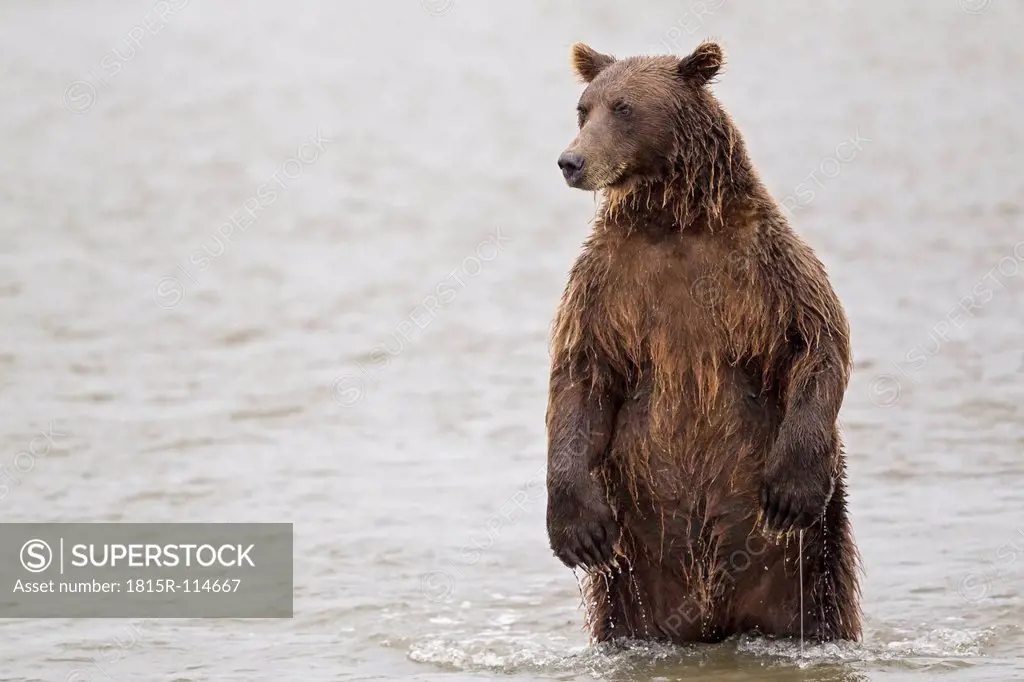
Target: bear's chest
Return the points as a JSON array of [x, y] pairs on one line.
[[666, 293]]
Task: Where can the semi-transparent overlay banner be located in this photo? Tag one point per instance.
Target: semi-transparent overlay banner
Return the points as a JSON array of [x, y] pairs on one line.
[[146, 570]]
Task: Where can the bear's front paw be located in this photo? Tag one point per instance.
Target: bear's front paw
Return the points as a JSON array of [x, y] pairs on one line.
[[794, 500], [582, 530]]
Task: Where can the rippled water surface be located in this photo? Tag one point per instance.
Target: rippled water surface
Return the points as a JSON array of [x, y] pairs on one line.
[[366, 356]]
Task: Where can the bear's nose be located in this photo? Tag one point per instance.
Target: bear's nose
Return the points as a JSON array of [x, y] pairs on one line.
[[571, 165]]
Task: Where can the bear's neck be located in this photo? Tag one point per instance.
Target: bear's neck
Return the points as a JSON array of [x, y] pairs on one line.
[[709, 182]]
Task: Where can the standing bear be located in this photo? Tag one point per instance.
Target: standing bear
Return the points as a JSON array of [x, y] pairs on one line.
[[699, 360]]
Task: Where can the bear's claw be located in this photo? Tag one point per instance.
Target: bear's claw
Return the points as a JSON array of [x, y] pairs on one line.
[[794, 504], [586, 544], [590, 536]]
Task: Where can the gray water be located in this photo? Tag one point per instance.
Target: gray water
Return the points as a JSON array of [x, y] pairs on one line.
[[367, 357]]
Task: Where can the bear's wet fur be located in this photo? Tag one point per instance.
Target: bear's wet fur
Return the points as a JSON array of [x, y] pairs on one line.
[[699, 361]]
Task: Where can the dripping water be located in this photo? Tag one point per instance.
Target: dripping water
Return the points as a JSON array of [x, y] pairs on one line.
[[635, 589], [800, 564]]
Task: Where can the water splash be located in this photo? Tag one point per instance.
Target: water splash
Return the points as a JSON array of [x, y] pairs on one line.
[[520, 651]]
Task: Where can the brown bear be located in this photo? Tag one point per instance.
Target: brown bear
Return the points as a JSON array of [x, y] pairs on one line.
[[699, 360]]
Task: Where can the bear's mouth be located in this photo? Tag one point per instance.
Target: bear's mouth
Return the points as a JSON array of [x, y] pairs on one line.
[[616, 178], [621, 178], [602, 178]]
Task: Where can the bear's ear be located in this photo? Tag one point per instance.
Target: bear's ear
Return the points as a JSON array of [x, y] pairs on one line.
[[703, 64], [587, 62]]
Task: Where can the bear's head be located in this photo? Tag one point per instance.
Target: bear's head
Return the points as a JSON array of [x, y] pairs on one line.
[[637, 115]]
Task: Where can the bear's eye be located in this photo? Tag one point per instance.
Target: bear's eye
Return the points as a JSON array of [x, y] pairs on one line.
[[581, 116], [621, 109]]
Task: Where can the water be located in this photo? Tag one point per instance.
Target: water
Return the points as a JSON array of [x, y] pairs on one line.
[[367, 358]]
